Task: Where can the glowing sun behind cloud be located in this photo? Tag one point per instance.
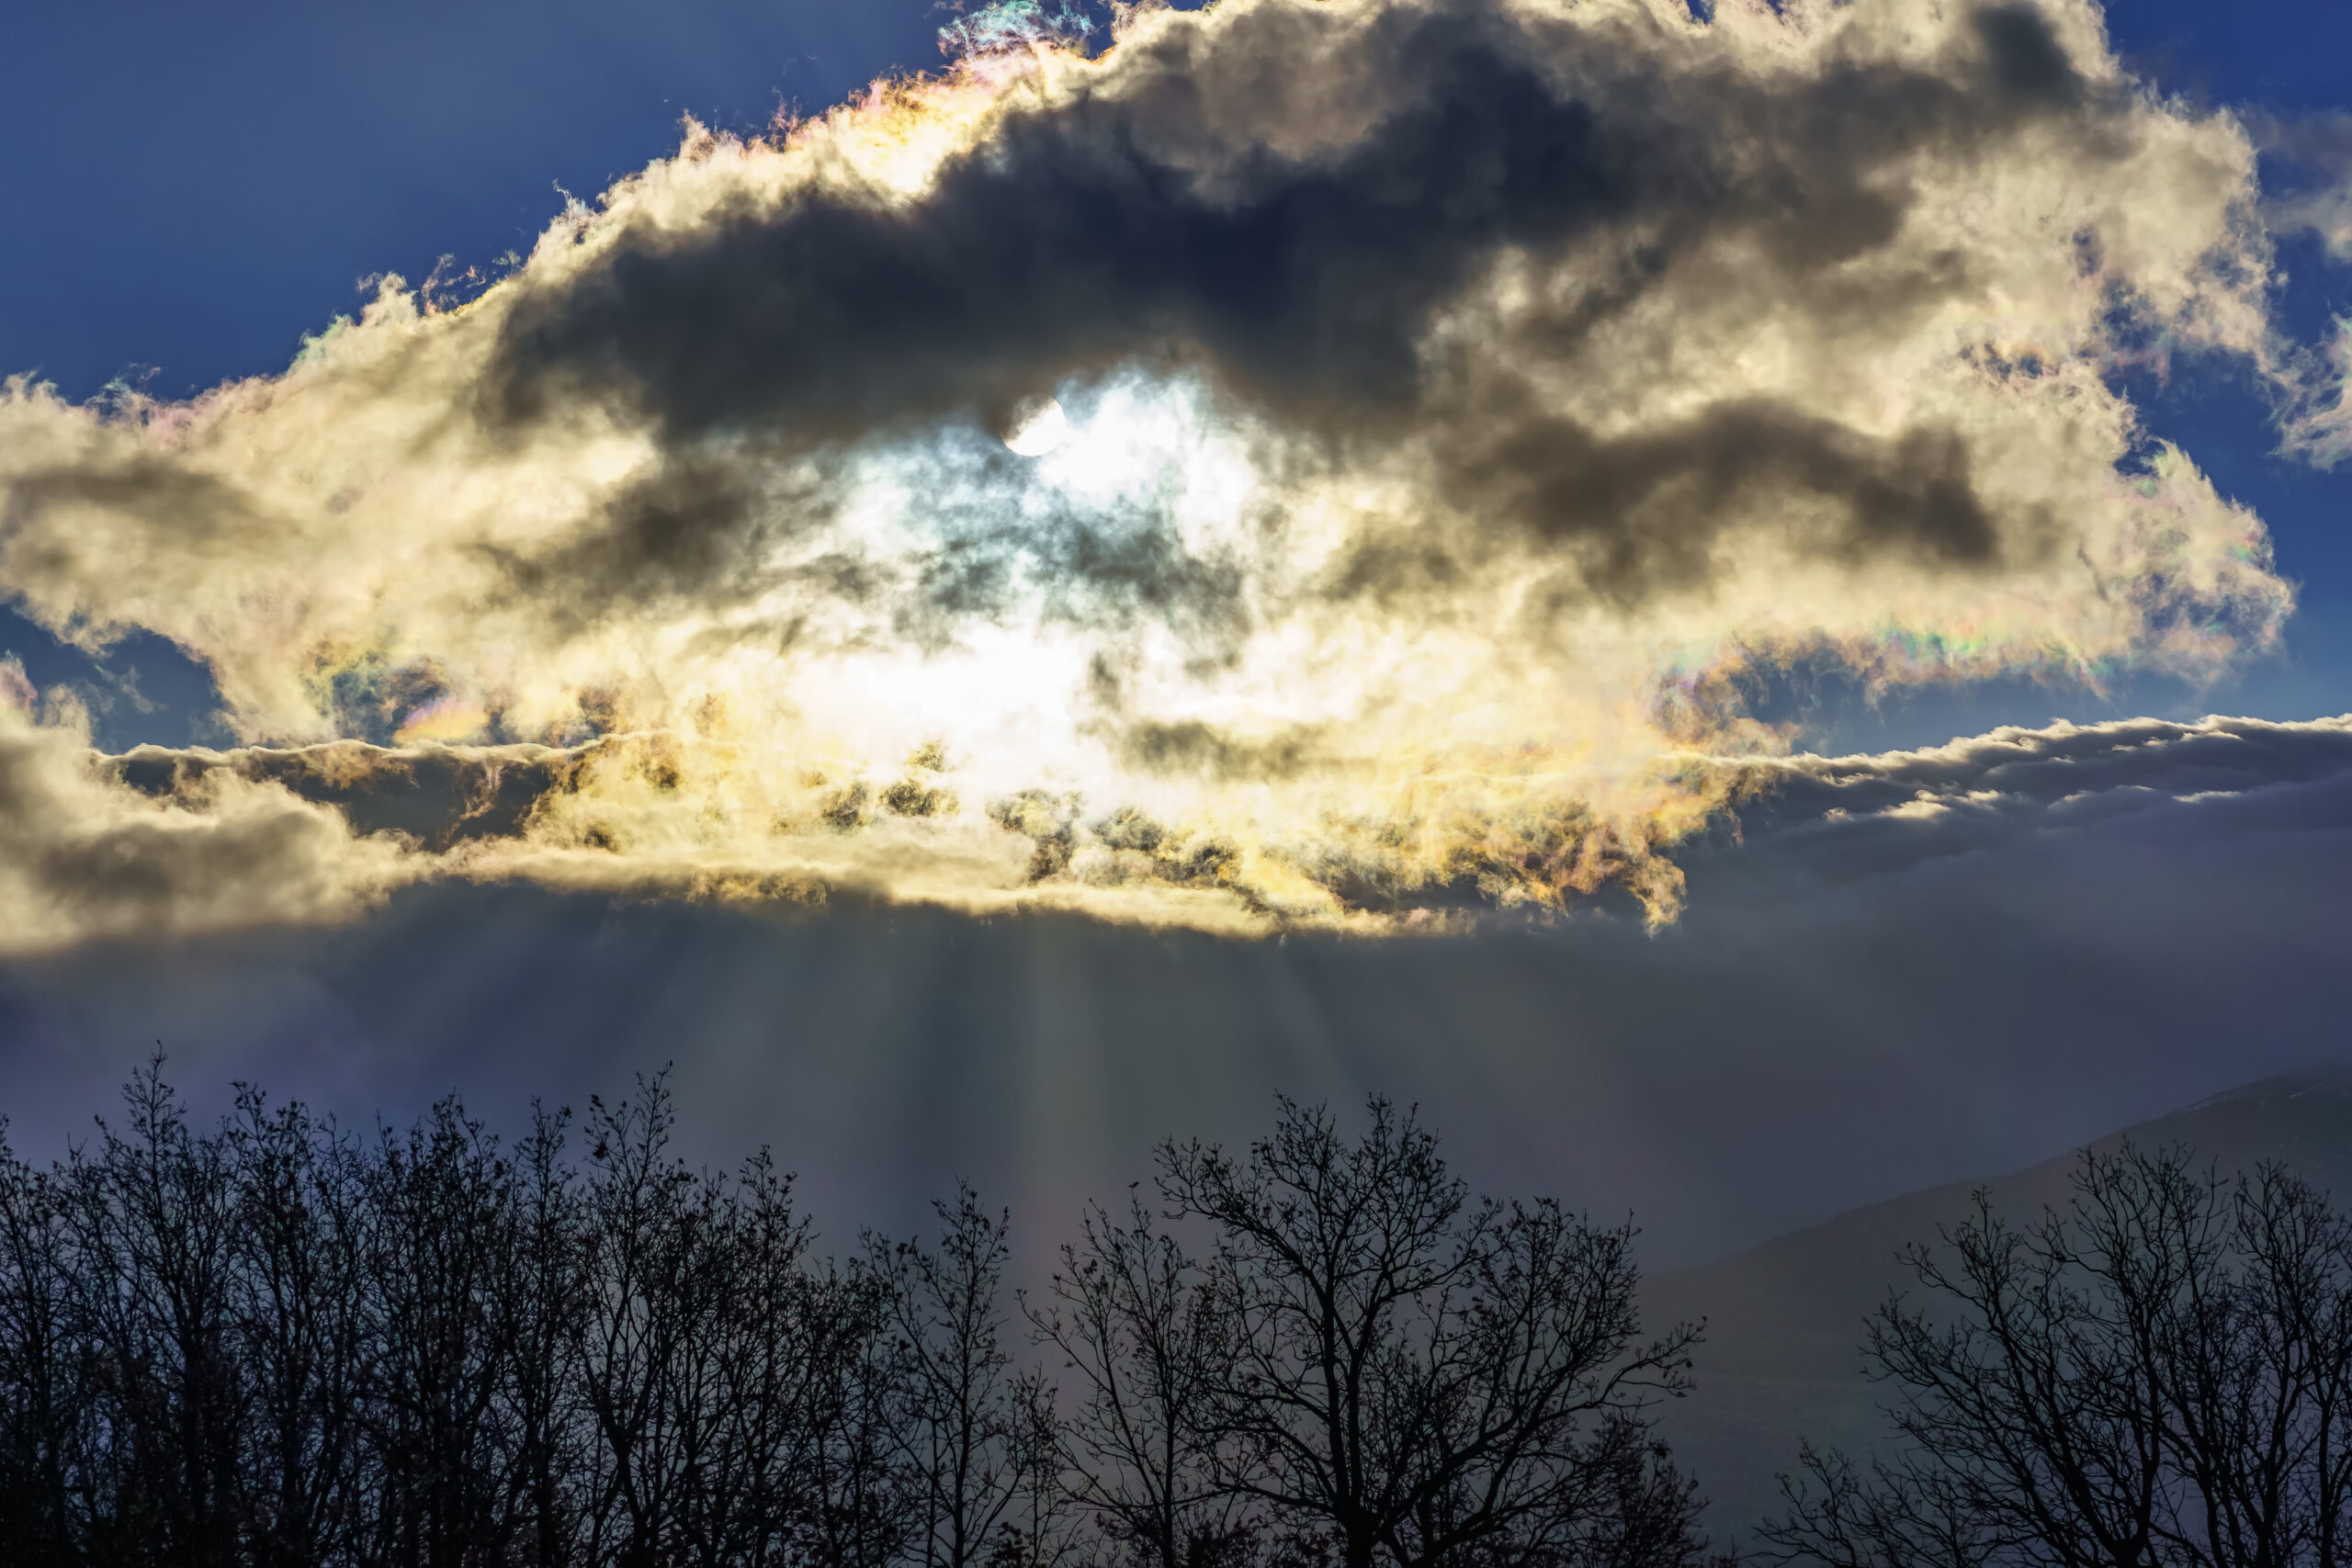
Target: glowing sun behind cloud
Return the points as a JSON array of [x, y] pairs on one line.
[[1037, 428], [1422, 412]]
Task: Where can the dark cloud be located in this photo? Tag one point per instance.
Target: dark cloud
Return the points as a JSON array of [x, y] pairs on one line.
[[1811, 821], [1192, 748], [83, 858], [1283, 196], [696, 527], [207, 512], [1643, 511], [1158, 210], [1877, 824], [433, 794]]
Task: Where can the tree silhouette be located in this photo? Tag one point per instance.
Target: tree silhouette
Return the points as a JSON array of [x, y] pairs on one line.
[[48, 1389], [280, 1345], [973, 1428], [2162, 1375], [1145, 1340], [1422, 1377]]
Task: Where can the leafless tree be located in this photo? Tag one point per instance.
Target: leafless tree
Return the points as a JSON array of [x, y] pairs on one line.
[[274, 1345], [740, 1395], [649, 1334], [759, 1479], [304, 1328], [46, 1391], [2161, 1376], [866, 1501], [1422, 1378], [1142, 1337], [543, 1290], [152, 1217], [443, 1246], [970, 1423]]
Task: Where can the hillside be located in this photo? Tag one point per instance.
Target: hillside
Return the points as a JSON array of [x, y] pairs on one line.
[[1784, 1320]]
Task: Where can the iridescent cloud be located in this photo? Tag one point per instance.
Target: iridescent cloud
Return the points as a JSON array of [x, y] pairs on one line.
[[1456, 395]]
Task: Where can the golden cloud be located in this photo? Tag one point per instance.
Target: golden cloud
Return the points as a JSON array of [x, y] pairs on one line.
[[1458, 395]]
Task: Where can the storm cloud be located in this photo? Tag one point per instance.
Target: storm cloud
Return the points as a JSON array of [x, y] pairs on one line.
[[1287, 196], [1287, 190]]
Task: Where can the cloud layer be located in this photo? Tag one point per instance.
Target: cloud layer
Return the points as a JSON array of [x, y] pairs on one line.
[[82, 857], [1846, 819], [1460, 394], [164, 842]]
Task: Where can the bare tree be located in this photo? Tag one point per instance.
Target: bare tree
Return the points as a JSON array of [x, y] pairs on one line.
[[543, 1291], [304, 1329], [152, 1214], [721, 1373], [1143, 1338], [759, 1479], [1419, 1377], [2256, 1365], [45, 1389], [274, 1345], [646, 1334], [867, 1502], [444, 1245], [2161, 1376], [969, 1424]]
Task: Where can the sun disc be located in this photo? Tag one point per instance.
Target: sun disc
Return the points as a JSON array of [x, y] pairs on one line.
[[1039, 429]]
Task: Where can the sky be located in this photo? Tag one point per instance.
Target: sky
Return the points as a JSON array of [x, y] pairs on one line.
[[1479, 551]]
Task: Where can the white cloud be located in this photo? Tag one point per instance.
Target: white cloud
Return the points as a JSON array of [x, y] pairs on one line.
[[1459, 389]]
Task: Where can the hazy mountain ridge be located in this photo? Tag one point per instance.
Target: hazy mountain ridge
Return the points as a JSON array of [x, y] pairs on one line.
[[1785, 1319]]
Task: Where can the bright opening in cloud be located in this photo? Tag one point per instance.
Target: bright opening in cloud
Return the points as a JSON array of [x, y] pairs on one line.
[[1451, 402], [1038, 428]]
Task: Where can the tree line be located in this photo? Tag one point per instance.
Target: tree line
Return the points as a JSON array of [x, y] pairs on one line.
[[278, 1342], [275, 1342]]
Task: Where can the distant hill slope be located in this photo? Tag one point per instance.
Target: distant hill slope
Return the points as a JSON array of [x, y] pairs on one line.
[[1784, 1320]]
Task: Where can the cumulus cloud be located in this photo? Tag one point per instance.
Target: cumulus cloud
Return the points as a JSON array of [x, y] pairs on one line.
[[83, 858], [1458, 392]]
